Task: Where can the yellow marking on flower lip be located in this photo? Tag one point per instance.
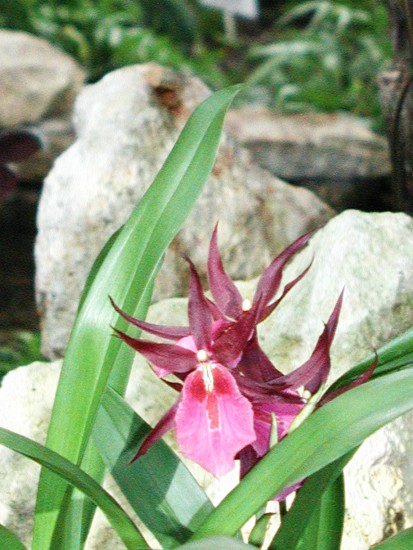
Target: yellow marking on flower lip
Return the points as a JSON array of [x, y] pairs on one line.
[[246, 305], [201, 355], [208, 377]]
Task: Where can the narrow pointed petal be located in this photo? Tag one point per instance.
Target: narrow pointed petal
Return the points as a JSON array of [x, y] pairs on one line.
[[364, 377], [199, 312], [168, 332], [269, 309], [165, 358], [255, 365], [212, 426], [315, 371], [271, 278], [229, 346], [165, 424], [216, 313], [225, 293]]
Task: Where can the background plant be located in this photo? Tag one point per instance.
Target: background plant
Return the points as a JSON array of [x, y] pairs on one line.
[[321, 55], [108, 34], [327, 57]]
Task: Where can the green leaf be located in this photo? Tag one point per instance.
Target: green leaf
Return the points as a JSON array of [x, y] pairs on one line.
[[307, 500], [155, 484], [126, 273], [9, 541], [393, 356], [401, 541], [324, 529], [227, 543], [329, 433], [119, 520]]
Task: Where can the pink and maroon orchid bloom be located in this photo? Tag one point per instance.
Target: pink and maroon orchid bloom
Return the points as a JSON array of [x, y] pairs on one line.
[[212, 419], [230, 394]]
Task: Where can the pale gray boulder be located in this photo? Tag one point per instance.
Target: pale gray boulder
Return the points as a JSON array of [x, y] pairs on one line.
[[126, 124], [37, 80], [320, 146]]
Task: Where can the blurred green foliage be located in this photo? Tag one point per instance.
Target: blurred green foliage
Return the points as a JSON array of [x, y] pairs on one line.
[[321, 55], [106, 34], [327, 57], [18, 347]]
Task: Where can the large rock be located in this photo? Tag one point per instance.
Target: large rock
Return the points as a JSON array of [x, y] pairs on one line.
[[126, 124], [372, 255], [311, 146], [38, 85], [37, 81], [336, 155]]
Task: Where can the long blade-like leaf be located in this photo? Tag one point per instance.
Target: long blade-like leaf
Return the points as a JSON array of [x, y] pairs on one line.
[[395, 355], [119, 520], [159, 487], [9, 541], [125, 273], [401, 541], [306, 501], [324, 529], [329, 433]]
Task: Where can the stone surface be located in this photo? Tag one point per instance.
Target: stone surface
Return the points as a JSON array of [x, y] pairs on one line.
[[37, 81], [371, 254], [305, 146], [126, 124]]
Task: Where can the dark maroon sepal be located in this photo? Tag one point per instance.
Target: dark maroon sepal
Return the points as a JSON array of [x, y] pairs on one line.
[[271, 278], [168, 357], [224, 291], [229, 346], [269, 309], [199, 313], [165, 424], [255, 365], [315, 371], [168, 332], [364, 377]]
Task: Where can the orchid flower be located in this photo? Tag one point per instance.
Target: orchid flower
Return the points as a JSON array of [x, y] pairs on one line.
[[212, 419], [232, 398]]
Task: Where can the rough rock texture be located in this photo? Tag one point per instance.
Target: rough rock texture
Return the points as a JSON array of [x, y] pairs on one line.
[[371, 254], [126, 124], [38, 86], [37, 81], [311, 146]]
